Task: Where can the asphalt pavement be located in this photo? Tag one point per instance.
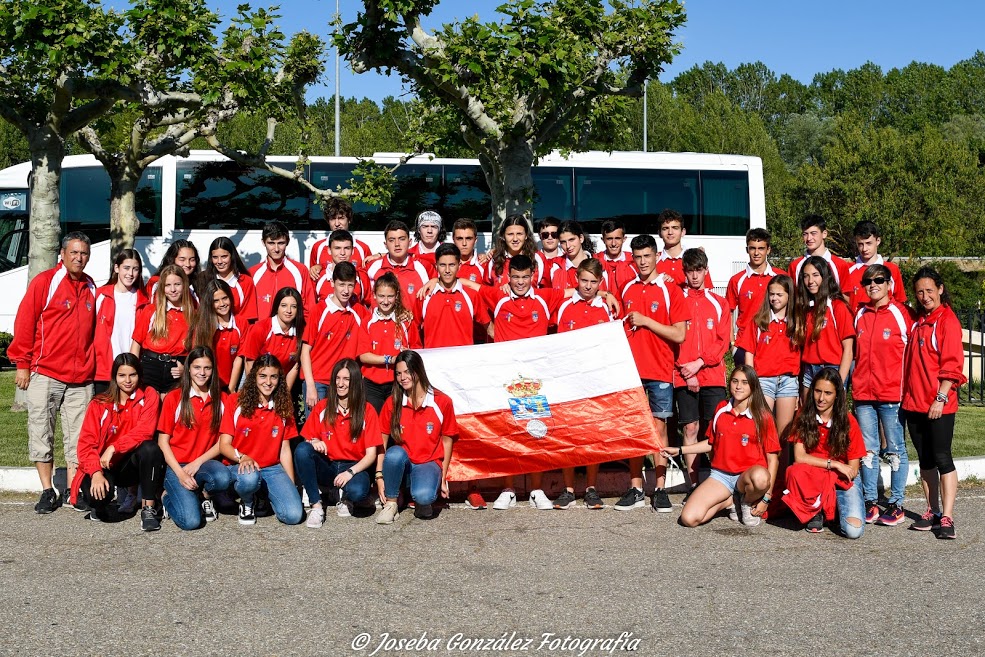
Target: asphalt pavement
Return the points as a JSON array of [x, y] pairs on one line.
[[517, 582]]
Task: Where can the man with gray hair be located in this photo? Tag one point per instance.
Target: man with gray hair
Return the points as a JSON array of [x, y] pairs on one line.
[[53, 351]]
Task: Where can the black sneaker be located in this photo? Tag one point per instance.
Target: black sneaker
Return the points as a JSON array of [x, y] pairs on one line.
[[149, 522], [593, 500], [208, 510], [423, 511], [261, 507], [926, 522], [565, 500], [816, 524], [93, 515], [48, 501], [246, 515], [80, 504], [947, 528], [661, 502], [633, 499]]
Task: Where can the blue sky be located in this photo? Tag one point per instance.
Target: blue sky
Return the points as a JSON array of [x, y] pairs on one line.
[[799, 38]]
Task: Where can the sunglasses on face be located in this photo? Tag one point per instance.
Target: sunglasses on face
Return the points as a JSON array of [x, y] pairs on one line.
[[878, 280], [545, 235]]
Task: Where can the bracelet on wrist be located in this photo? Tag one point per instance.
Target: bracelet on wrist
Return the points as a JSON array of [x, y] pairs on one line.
[[941, 397], [378, 476]]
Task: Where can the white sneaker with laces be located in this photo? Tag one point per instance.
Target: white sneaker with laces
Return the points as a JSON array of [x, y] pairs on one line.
[[539, 501], [208, 510], [316, 517], [343, 509], [748, 519], [506, 500], [388, 514]]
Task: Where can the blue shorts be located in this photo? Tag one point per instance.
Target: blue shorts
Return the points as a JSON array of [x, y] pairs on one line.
[[660, 395], [777, 387], [809, 371], [730, 481]]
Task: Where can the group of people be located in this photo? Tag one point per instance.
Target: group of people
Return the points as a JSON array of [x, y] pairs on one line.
[[178, 394]]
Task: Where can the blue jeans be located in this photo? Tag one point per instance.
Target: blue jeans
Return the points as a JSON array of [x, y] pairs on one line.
[[282, 491], [183, 504], [314, 469], [851, 505], [425, 478], [321, 388], [869, 415]]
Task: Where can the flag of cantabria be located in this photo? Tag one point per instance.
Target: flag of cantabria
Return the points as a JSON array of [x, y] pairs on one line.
[[543, 403]]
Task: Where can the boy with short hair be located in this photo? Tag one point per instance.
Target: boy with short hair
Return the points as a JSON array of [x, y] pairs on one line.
[[867, 240], [429, 234], [338, 216], [451, 311], [656, 323], [747, 289], [464, 234], [334, 332], [411, 272], [278, 271], [672, 232], [699, 375], [814, 231], [618, 263], [550, 252], [340, 250]]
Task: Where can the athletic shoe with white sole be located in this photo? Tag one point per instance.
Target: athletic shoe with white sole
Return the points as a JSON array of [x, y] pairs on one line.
[[539, 501], [506, 500]]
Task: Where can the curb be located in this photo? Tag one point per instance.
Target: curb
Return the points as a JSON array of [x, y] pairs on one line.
[[610, 484]]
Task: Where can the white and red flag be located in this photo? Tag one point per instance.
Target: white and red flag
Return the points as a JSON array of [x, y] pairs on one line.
[[543, 403]]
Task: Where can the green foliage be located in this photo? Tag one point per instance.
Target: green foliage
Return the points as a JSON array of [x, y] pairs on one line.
[[13, 146], [5, 339], [964, 287]]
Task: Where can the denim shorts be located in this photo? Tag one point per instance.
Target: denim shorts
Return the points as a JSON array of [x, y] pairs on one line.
[[783, 385], [660, 395], [730, 481], [809, 371]]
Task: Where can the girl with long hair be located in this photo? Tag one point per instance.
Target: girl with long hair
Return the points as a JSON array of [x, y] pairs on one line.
[[117, 304], [513, 238], [883, 328], [116, 449], [828, 448], [342, 434], [933, 370], [188, 435], [184, 254], [226, 264], [161, 328], [823, 323], [418, 424], [744, 446], [278, 335], [771, 349], [216, 327], [257, 426], [576, 247], [390, 332]]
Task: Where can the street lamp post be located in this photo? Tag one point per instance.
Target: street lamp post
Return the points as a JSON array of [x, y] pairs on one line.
[[645, 85], [338, 126]]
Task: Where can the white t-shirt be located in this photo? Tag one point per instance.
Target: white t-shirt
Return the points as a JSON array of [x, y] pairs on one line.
[[123, 322]]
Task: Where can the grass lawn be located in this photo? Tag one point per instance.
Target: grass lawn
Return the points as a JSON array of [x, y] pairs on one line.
[[969, 432]]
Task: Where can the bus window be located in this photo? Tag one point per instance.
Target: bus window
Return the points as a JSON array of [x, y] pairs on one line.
[[226, 195], [724, 202], [84, 202], [635, 197], [466, 196], [13, 228], [336, 176], [553, 196]]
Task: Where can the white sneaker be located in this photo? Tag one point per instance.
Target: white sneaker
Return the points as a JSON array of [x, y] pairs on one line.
[[539, 501], [388, 514], [733, 515], [316, 517], [343, 509], [748, 519], [208, 510], [506, 500]]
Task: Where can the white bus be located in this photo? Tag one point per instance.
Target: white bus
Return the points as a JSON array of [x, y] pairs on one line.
[[205, 196]]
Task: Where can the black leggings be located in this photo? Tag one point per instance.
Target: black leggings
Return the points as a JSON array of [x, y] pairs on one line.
[[157, 373], [144, 466], [932, 440], [377, 393]]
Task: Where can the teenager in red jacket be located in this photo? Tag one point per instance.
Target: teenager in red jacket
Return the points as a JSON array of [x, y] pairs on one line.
[[828, 449], [117, 304], [277, 271], [116, 447], [338, 216], [226, 265], [55, 358], [882, 329], [161, 328], [699, 372], [188, 435], [933, 370], [744, 446]]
